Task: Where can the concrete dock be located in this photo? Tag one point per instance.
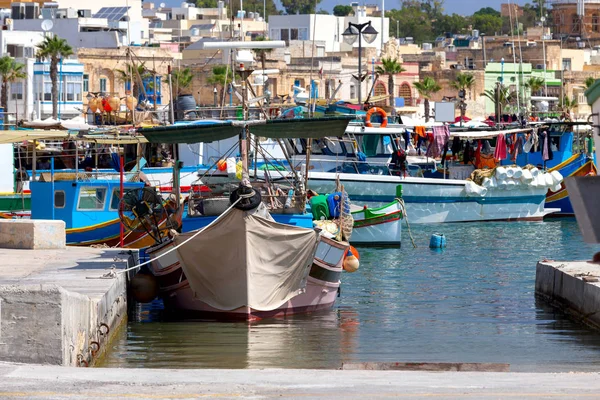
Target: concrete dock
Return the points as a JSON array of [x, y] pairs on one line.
[[573, 286], [59, 306], [50, 382]]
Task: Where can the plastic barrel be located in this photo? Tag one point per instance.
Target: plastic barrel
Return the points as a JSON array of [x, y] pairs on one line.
[[437, 241], [184, 103]]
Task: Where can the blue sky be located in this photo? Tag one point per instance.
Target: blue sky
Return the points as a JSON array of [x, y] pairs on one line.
[[465, 7]]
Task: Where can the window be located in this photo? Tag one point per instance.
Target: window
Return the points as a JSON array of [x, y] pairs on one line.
[[406, 93], [294, 34], [595, 23], [303, 34], [575, 24], [103, 84], [16, 91], [91, 198], [320, 51], [86, 83], [285, 35], [566, 64], [47, 91], [115, 199], [73, 87], [275, 34], [59, 199], [352, 91]]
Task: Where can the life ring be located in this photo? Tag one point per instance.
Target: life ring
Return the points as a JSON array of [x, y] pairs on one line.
[[381, 112]]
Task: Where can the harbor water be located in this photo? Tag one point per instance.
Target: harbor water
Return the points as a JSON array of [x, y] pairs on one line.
[[472, 301]]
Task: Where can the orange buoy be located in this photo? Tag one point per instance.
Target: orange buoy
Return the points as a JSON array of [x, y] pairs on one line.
[[222, 165], [379, 111], [351, 260]]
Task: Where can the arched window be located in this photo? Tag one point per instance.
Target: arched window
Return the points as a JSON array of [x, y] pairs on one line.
[[380, 90], [406, 92], [595, 23]]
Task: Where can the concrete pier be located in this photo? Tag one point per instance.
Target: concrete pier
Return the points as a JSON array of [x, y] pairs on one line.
[[574, 286], [60, 306], [49, 382]]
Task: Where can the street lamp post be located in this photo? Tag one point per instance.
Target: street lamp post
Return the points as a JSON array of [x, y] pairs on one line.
[[215, 96], [357, 31]]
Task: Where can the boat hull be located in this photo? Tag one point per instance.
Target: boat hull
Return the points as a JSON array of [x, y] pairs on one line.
[[437, 200], [576, 166], [321, 290], [378, 227]]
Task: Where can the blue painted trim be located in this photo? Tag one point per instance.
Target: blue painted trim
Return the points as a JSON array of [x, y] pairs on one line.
[[63, 102], [60, 73], [450, 199]]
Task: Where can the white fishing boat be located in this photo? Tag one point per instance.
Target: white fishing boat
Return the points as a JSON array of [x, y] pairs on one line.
[[378, 226]]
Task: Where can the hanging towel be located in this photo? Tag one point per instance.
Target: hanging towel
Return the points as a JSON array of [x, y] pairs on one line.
[[478, 154], [420, 130], [406, 137], [441, 136], [535, 140], [500, 153], [518, 148]]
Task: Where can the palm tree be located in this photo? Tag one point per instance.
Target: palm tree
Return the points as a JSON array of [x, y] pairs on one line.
[[568, 105], [463, 82], [589, 81], [54, 49], [501, 96], [390, 67], [182, 80], [534, 84], [426, 88], [220, 76], [10, 71], [136, 72]]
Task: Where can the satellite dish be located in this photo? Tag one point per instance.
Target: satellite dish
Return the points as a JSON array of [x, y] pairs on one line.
[[543, 19], [162, 5], [47, 25]]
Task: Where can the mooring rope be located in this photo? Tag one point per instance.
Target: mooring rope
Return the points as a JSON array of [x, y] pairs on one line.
[[401, 201], [182, 243]]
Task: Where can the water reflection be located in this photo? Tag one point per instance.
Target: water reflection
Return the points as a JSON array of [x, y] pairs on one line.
[[322, 340], [472, 302]]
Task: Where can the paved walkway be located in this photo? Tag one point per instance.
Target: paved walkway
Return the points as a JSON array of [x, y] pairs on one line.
[[49, 382]]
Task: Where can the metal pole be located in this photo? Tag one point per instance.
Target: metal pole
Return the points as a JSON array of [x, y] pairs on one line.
[[172, 113], [484, 57], [34, 161], [382, 25], [52, 181], [359, 68], [121, 186], [373, 76]]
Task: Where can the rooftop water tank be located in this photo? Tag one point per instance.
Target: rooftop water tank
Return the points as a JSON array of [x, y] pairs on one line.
[[195, 32]]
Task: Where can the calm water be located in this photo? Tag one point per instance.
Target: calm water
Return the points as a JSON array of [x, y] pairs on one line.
[[472, 302]]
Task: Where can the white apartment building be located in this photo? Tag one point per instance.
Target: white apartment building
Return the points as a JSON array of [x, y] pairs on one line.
[[327, 28]]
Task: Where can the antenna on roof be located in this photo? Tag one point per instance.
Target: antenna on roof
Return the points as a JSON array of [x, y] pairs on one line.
[[47, 25]]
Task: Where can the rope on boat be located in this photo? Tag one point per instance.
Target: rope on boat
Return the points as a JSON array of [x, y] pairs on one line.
[[401, 201], [182, 243]]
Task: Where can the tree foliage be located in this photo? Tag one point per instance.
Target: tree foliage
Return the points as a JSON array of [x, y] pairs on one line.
[[426, 88], [342, 10], [589, 81], [54, 48], [487, 11], [390, 67], [300, 6], [10, 71]]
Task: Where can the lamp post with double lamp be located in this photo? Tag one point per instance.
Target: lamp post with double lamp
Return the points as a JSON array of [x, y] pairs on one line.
[[358, 31]]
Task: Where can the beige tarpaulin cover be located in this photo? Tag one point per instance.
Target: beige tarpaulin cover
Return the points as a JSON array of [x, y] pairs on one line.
[[247, 260]]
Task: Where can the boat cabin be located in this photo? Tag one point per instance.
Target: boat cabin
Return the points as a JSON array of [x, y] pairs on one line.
[[78, 203]]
